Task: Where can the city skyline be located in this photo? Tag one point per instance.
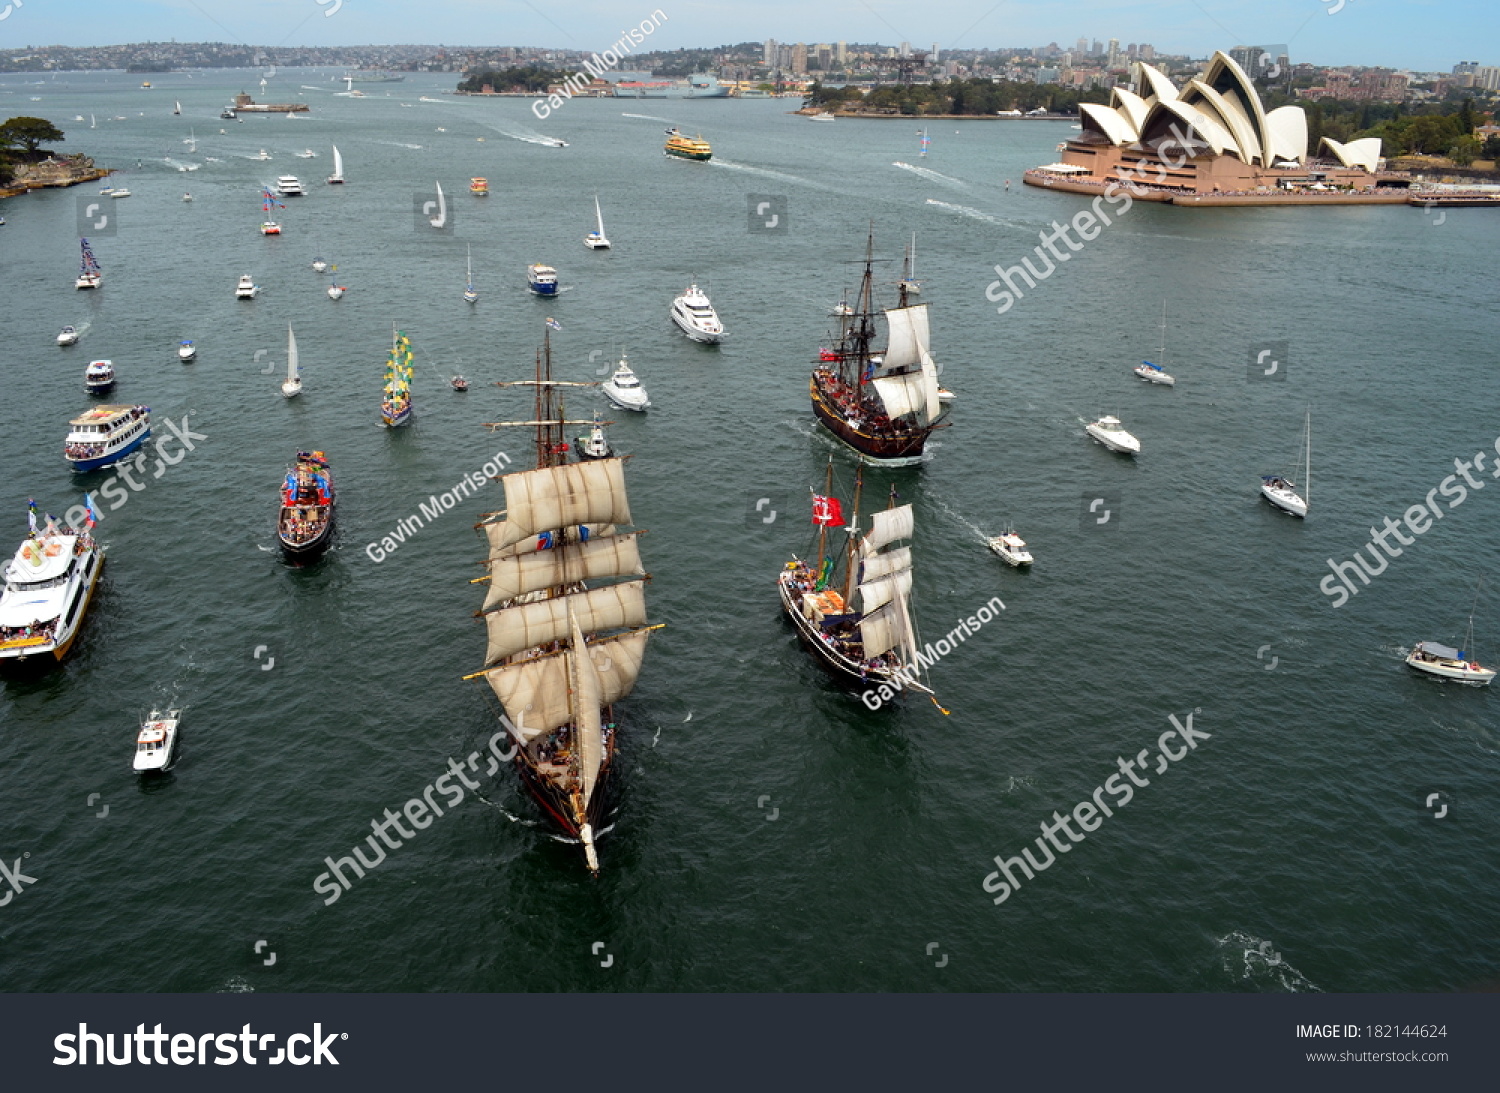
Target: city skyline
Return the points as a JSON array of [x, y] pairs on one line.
[[1405, 34]]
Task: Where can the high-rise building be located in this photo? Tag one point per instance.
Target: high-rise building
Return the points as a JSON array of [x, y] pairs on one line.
[[841, 53], [1465, 66], [799, 59], [905, 49], [1096, 49], [1487, 77], [770, 53], [1112, 57], [933, 57], [825, 56], [1147, 53], [1082, 48]]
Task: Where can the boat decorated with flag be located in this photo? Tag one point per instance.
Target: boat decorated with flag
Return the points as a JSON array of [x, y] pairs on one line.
[[105, 435], [395, 405], [565, 615], [268, 202], [304, 526], [89, 273], [48, 586], [873, 642], [884, 404]]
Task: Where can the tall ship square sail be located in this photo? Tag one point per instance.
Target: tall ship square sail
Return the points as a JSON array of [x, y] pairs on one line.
[[565, 617]]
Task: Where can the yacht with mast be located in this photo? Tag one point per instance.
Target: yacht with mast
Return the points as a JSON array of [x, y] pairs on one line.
[[47, 589], [1281, 490], [595, 240], [337, 178], [89, 273], [292, 385], [565, 615], [1154, 373], [470, 295], [875, 642], [1450, 663], [268, 202], [884, 404], [395, 404], [909, 283]]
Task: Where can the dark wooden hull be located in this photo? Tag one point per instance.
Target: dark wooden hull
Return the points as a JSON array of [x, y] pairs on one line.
[[555, 803], [308, 548], [895, 449]]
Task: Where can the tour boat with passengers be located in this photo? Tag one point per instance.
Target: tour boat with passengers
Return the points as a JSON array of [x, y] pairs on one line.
[[48, 585], [105, 435], [305, 525]]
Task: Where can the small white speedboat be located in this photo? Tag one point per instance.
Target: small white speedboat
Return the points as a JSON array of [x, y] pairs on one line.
[[262, 157], [695, 316], [156, 741], [247, 289], [186, 350], [1012, 548], [336, 292], [1450, 663], [1111, 433], [319, 265], [945, 395], [187, 197], [121, 192], [624, 389], [1152, 373], [68, 335]]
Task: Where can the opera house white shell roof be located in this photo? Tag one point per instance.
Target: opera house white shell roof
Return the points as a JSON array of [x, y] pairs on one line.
[[1220, 109], [1357, 153]]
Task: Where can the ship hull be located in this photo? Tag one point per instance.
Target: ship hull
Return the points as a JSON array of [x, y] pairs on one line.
[[310, 548], [556, 804], [18, 655], [395, 420], [698, 156], [841, 668], [110, 458], [891, 450]]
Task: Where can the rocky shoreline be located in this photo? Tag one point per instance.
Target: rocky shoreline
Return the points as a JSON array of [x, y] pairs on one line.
[[52, 173]]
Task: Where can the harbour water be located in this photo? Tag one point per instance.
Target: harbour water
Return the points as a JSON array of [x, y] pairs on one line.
[[772, 834]]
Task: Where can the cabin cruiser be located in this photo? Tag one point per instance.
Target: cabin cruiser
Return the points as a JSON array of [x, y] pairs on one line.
[[624, 389], [695, 315], [247, 289], [156, 742], [68, 335], [186, 350], [1109, 432], [47, 588], [262, 157], [1012, 548], [542, 280], [1450, 663], [99, 377]]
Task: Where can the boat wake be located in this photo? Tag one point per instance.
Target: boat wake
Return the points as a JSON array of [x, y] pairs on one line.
[[440, 102], [956, 515], [179, 165], [1263, 966], [973, 214], [931, 176], [398, 144], [527, 136], [307, 87], [646, 117], [767, 172]]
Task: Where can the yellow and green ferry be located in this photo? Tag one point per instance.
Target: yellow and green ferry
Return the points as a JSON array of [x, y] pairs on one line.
[[687, 147]]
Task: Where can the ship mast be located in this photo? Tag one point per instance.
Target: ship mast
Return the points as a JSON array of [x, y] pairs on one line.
[[854, 353], [859, 481]]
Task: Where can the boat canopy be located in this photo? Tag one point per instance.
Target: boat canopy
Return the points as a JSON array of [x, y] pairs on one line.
[[1433, 649]]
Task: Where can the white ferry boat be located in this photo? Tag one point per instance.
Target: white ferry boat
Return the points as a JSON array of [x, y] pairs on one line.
[[106, 435], [48, 585], [290, 186]]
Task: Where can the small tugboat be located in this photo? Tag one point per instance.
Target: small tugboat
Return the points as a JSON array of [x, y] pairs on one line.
[[156, 742], [1011, 547], [1111, 433], [542, 280], [247, 289], [458, 383], [186, 350], [99, 377], [47, 589], [695, 316], [593, 445], [67, 336], [106, 435], [305, 525], [624, 389]]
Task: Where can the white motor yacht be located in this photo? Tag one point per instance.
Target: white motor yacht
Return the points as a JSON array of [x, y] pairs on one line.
[[695, 315], [156, 742], [1109, 432], [290, 186], [247, 289], [624, 389], [1012, 548], [67, 335], [186, 350]]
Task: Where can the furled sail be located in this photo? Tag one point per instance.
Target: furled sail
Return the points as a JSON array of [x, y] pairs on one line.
[[518, 574], [588, 728], [910, 337], [494, 531], [513, 629], [549, 498], [535, 692], [888, 525]]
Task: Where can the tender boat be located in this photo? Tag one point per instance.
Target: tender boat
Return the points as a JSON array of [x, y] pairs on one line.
[[623, 388], [121, 192], [479, 187], [458, 383], [290, 186], [319, 265], [186, 350], [98, 377], [47, 589], [1109, 432], [187, 197], [156, 742], [1282, 491], [687, 147], [1450, 663], [542, 280], [305, 525], [695, 315], [1012, 548], [68, 335], [593, 445], [595, 240], [105, 435], [247, 289]]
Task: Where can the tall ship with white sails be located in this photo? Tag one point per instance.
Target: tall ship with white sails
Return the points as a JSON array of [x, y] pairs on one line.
[[565, 615], [883, 403]]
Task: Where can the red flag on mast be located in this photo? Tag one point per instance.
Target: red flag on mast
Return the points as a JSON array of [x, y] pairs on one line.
[[827, 511]]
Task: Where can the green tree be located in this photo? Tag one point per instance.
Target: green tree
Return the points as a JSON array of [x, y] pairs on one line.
[[1465, 151], [28, 134]]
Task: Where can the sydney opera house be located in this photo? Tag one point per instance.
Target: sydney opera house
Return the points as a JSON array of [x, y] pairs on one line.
[[1210, 142]]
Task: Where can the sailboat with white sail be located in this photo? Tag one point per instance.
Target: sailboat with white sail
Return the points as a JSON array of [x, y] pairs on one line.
[[565, 615], [595, 240], [292, 385], [337, 178], [470, 295], [1281, 490]]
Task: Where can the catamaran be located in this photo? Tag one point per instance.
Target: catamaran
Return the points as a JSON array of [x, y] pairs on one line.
[[1153, 373], [595, 240], [874, 643], [561, 651], [337, 178], [305, 524], [269, 226], [89, 273], [1450, 663], [47, 589], [884, 404], [395, 404], [1281, 491], [469, 293], [292, 385]]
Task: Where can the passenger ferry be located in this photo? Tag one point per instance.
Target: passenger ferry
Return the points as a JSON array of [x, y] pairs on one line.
[[106, 435], [480, 187], [687, 147], [542, 280], [48, 585]]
